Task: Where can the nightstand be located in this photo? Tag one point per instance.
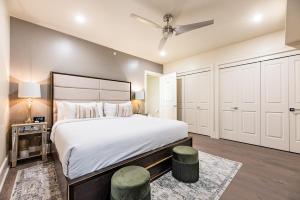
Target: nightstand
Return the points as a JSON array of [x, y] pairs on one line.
[[29, 140]]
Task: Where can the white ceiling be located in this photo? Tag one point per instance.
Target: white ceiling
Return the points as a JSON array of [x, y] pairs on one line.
[[108, 22]]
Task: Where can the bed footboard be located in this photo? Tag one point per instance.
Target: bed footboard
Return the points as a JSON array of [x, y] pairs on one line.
[[96, 185]]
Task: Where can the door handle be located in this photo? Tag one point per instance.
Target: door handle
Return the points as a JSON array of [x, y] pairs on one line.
[[198, 107], [294, 110], [235, 108]]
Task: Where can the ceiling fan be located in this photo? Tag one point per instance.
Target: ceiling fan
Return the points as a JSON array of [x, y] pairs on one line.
[[168, 30]]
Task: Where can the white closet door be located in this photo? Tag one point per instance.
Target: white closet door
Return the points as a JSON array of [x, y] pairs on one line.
[[190, 101], [294, 78], [249, 103], [180, 98], [274, 104], [228, 103], [202, 90]]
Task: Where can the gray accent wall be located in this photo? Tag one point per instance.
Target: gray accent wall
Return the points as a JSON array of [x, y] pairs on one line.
[[35, 51]]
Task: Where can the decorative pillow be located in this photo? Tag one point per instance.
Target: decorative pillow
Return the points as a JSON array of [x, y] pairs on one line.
[[86, 110], [110, 109], [99, 109], [125, 109], [69, 110]]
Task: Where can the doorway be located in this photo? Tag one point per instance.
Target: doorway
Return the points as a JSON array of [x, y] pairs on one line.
[[152, 93]]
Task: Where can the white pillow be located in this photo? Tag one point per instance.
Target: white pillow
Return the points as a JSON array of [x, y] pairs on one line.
[[110, 109], [125, 109], [99, 106], [59, 110], [69, 110]]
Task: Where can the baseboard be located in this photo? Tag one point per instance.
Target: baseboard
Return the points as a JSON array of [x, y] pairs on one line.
[[3, 172]]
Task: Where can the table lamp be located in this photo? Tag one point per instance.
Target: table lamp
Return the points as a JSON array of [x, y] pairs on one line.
[[139, 95], [29, 90]]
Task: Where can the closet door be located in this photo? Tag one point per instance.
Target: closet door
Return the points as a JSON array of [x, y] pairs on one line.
[[190, 101], [274, 104], [202, 90], [228, 103], [249, 103], [294, 78], [180, 98]]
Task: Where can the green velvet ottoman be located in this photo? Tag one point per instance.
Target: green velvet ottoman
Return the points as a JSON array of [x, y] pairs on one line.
[[131, 183], [185, 164]]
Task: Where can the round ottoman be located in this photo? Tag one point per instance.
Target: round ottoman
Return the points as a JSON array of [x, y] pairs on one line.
[[185, 164], [131, 183]]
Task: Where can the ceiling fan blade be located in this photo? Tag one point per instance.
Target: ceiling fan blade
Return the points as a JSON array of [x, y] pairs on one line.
[[144, 20], [189, 27], [162, 43]]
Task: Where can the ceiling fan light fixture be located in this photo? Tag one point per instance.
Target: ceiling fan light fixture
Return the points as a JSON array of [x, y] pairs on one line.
[[168, 29]]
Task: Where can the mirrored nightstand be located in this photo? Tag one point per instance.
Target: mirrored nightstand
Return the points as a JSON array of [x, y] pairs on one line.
[[28, 141]]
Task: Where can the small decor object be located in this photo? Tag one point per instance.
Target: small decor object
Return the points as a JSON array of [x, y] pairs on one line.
[[131, 183], [185, 164], [29, 90], [39, 119], [139, 95]]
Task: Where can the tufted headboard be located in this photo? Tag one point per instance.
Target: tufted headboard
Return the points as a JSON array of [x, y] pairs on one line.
[[77, 88]]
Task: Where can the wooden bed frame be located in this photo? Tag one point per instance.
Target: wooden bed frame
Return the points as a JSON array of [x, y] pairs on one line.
[[96, 185]]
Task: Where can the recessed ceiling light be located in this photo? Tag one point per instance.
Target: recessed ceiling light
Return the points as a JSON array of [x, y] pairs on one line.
[[162, 53], [80, 19], [257, 17]]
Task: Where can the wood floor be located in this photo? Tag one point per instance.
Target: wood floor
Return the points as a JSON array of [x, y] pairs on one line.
[[266, 173]]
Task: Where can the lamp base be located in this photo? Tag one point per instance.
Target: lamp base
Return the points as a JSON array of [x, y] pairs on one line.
[[28, 121]]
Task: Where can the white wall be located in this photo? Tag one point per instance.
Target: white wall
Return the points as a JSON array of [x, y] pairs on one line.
[[292, 23], [153, 95], [4, 79], [267, 44]]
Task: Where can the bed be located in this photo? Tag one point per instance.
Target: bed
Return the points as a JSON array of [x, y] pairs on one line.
[[88, 151]]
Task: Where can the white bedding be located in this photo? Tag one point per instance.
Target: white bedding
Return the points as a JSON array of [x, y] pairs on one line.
[[86, 145]]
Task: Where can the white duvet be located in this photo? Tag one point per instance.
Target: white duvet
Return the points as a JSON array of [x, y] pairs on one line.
[[87, 145]]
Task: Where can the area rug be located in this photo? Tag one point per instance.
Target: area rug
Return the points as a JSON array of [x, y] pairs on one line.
[[215, 174], [37, 183], [40, 182]]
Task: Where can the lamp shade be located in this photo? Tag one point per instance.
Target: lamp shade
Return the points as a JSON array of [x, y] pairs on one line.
[[29, 90], [139, 95]]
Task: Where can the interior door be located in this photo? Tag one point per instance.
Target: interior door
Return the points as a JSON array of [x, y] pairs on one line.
[[168, 96], [228, 103], [180, 98], [274, 104], [249, 103], [294, 94], [190, 101], [202, 90]]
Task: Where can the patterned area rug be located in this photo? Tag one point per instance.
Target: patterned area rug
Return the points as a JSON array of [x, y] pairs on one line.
[[215, 174], [40, 182], [37, 183]]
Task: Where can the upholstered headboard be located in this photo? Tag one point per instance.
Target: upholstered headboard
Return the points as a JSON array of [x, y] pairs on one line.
[[76, 88]]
